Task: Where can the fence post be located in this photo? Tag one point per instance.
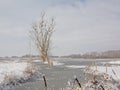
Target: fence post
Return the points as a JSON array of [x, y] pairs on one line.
[[45, 82]]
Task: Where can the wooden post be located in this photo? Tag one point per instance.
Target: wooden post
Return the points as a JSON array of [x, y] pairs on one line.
[[45, 82]]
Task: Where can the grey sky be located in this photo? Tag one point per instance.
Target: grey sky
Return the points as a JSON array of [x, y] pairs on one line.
[[81, 25]]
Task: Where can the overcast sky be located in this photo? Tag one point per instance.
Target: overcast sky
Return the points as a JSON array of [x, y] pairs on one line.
[[81, 25]]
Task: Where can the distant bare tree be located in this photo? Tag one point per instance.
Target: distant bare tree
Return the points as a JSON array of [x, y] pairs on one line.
[[41, 33]]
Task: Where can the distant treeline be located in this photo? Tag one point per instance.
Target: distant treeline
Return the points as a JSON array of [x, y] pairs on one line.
[[106, 54], [97, 55], [24, 57]]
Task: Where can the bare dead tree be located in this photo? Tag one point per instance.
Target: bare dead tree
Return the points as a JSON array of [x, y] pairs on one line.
[[41, 33]]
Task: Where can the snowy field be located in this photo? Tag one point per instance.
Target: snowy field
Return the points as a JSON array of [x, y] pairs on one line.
[[112, 69], [114, 62], [75, 66], [14, 72]]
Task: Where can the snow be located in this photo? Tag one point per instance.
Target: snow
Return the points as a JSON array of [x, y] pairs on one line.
[[55, 63], [113, 71], [75, 66], [36, 61], [114, 62], [14, 70]]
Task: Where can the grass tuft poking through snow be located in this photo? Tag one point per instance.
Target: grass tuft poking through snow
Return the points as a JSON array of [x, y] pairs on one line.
[[15, 72]]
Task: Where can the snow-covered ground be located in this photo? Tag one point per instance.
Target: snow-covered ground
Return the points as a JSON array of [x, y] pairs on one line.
[[112, 71], [55, 63], [15, 71], [114, 62], [75, 66]]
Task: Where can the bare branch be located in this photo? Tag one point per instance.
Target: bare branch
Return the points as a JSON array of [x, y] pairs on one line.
[[42, 32]]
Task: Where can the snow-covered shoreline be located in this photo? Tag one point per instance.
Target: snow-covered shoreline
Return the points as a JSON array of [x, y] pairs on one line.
[[75, 66], [14, 72], [112, 71]]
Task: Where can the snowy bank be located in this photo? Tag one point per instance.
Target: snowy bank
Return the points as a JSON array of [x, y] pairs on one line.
[[15, 72], [114, 62], [75, 66], [112, 71], [55, 63]]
